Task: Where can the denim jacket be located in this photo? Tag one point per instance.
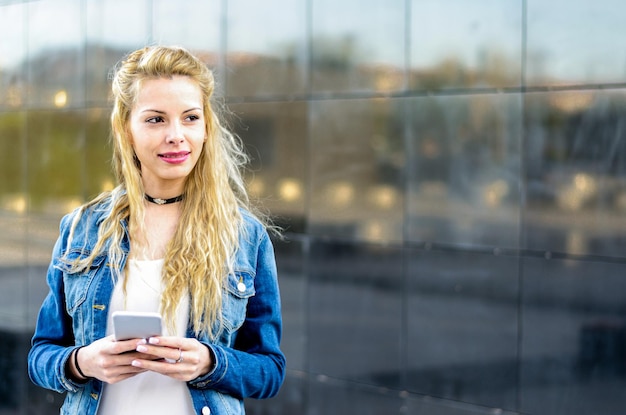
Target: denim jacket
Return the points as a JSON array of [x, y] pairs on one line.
[[248, 359]]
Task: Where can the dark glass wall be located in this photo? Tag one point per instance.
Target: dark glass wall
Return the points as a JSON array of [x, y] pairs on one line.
[[451, 176]]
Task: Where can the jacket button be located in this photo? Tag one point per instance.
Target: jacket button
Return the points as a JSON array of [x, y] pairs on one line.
[[206, 411]]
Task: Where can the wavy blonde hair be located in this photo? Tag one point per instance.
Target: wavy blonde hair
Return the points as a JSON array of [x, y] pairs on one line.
[[199, 256]]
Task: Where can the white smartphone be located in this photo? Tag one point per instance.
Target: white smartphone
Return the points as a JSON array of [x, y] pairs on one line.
[[136, 325]]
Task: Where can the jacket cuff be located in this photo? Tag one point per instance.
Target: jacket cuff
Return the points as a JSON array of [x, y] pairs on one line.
[[220, 367], [66, 380]]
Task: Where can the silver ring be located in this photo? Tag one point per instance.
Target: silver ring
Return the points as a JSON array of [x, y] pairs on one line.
[[180, 357]]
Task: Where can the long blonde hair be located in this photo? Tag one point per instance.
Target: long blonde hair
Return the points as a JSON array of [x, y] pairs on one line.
[[199, 256]]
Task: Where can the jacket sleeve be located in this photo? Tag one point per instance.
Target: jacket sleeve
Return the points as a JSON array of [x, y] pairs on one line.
[[255, 366], [53, 340]]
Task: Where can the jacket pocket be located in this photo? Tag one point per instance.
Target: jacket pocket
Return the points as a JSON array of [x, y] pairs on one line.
[[77, 285], [239, 288]]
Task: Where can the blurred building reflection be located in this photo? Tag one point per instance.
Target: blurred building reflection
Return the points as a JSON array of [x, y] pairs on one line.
[[451, 177]]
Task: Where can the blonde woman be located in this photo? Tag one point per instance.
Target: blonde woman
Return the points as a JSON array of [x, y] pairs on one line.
[[175, 237]]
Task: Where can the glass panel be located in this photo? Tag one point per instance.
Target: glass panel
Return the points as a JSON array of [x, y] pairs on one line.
[[13, 163], [358, 45], [291, 399], [56, 161], [464, 170], [292, 278], [331, 397], [462, 327], [275, 136], [201, 33], [461, 44], [113, 29], [104, 17], [429, 405], [55, 48], [354, 311], [98, 152], [42, 234], [576, 172], [356, 169], [266, 47], [12, 55], [13, 207], [574, 337], [575, 42]]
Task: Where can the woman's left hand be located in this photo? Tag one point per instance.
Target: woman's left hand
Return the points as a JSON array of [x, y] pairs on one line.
[[182, 358]]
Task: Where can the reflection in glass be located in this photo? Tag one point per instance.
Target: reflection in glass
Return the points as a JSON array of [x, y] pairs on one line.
[[462, 327], [464, 171], [574, 347], [55, 160], [55, 61], [266, 47], [98, 172], [358, 45], [275, 138], [456, 44], [575, 42], [12, 53], [356, 169], [576, 172], [354, 312], [113, 28]]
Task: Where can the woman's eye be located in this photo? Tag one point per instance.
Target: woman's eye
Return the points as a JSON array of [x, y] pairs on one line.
[[193, 118], [154, 120]]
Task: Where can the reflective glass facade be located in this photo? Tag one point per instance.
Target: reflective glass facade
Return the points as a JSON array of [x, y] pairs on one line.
[[451, 176]]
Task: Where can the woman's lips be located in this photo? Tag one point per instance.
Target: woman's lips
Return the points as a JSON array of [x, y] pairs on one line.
[[175, 158]]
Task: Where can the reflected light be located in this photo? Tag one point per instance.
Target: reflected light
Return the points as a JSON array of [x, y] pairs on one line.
[[290, 189], [572, 102], [383, 197], [585, 184], [341, 193], [72, 204], [14, 97], [107, 186], [495, 192], [576, 242], [374, 231], [387, 78], [60, 99], [582, 188], [16, 204], [256, 187], [620, 201], [430, 148]]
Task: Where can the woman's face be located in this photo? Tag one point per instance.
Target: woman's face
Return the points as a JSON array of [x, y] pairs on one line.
[[168, 131]]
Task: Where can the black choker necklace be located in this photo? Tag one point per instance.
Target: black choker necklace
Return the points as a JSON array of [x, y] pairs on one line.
[[158, 201]]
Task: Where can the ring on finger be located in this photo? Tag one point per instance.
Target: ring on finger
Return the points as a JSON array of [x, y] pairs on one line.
[[180, 356]]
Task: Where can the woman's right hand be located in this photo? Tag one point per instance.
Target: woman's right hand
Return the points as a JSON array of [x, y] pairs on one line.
[[108, 360]]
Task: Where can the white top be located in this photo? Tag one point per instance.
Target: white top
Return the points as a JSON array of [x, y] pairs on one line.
[[148, 392]]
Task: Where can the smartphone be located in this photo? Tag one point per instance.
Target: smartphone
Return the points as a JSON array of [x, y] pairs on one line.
[[136, 325]]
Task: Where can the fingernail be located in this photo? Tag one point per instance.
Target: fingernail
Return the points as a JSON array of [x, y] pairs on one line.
[[141, 348], [153, 340], [136, 363]]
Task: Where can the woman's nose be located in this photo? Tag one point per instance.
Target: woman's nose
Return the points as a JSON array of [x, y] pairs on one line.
[[175, 133]]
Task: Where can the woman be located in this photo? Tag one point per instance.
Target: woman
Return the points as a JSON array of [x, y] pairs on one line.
[[177, 236]]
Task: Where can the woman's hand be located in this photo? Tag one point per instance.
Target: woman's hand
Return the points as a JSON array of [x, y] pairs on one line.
[[180, 358], [109, 360]]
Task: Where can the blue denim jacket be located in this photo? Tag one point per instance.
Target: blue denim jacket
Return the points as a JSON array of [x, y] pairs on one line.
[[248, 359]]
